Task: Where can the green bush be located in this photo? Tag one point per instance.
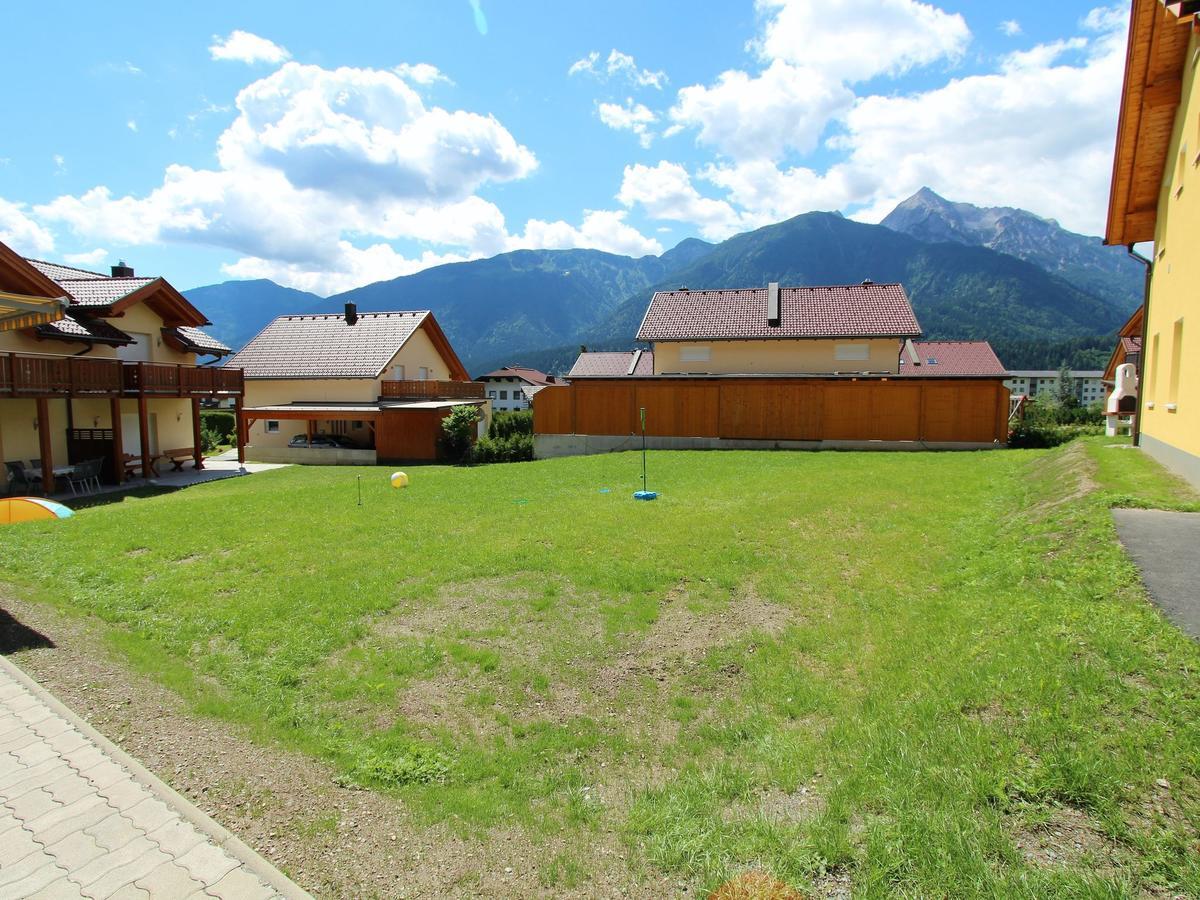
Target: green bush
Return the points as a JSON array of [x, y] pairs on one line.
[[511, 448], [1031, 435], [210, 440], [507, 424], [458, 433], [221, 421]]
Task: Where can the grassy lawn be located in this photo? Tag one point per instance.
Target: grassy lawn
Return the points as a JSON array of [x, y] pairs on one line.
[[931, 674]]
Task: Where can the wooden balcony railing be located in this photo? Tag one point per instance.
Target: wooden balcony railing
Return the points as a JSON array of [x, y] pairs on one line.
[[432, 390], [32, 375]]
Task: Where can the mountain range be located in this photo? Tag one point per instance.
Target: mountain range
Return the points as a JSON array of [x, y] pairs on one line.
[[1020, 281]]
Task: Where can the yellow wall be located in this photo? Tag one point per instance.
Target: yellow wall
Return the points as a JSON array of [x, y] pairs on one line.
[[418, 351], [776, 357], [1171, 393]]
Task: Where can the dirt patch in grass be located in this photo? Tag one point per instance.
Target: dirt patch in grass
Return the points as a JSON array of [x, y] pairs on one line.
[[777, 805], [681, 636], [333, 841], [1074, 470], [1069, 838]]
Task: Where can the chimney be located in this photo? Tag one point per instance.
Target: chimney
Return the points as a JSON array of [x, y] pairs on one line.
[[773, 304], [120, 270], [351, 313]]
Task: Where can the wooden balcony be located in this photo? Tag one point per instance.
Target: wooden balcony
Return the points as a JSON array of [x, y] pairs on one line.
[[432, 390], [34, 375]]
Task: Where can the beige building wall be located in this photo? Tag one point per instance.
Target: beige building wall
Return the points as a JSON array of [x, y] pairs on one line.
[[780, 357]]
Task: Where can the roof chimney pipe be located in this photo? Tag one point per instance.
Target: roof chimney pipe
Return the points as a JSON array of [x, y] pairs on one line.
[[773, 304], [351, 313], [120, 270]]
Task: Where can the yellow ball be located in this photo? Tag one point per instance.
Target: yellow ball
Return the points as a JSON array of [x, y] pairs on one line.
[[399, 480]]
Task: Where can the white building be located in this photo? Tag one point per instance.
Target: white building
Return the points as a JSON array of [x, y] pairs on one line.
[[512, 387], [1088, 386]]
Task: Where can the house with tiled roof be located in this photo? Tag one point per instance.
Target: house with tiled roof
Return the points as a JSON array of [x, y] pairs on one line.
[[779, 330], [351, 387], [950, 359], [513, 387], [108, 369], [611, 364]]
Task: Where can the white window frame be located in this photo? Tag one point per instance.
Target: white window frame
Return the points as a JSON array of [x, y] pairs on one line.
[[398, 372], [271, 426], [857, 352], [698, 353]]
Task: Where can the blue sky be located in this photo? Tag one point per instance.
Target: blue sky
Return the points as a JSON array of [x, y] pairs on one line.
[[215, 141]]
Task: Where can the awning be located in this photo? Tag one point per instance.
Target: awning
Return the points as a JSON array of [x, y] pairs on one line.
[[19, 311]]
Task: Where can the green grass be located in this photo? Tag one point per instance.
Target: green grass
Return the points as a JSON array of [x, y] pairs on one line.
[[896, 666]]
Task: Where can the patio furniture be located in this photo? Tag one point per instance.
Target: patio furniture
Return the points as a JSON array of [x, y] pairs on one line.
[[134, 464], [20, 478], [181, 455], [86, 476]]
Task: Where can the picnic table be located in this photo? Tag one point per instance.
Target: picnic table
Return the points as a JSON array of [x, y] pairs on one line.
[[59, 471], [134, 463], [181, 455]]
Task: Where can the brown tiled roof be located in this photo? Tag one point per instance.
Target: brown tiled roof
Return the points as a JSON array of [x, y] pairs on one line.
[[82, 327], [58, 271], [603, 363], [952, 358], [101, 291], [195, 340], [1131, 344], [532, 376], [852, 310], [324, 346]]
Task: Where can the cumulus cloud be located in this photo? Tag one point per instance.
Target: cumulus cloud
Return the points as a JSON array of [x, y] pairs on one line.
[[620, 66], [635, 117], [665, 191], [1010, 27], [354, 267], [242, 46], [89, 258], [21, 232], [422, 73], [600, 230]]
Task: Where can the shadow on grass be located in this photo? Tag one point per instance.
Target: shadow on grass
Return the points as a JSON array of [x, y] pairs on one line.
[[106, 499], [15, 637]]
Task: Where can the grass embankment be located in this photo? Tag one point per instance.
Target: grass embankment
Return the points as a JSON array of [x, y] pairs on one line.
[[924, 673]]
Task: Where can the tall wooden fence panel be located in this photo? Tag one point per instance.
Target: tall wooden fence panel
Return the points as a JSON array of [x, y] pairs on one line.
[[780, 409]]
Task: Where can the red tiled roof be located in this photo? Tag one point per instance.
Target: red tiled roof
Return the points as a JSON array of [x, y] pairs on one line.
[[1131, 344], [194, 340], [852, 310], [81, 327], [599, 364], [324, 346], [950, 358], [532, 376]]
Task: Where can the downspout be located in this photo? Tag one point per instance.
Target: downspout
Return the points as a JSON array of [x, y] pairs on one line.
[[1141, 375]]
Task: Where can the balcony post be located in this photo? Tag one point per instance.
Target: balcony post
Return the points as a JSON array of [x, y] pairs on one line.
[[197, 449], [44, 438], [144, 435], [240, 429], [114, 415]]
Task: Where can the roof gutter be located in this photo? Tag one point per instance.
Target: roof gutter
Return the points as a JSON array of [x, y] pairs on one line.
[[1141, 375]]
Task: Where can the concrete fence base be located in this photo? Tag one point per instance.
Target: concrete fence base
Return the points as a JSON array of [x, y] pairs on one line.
[[549, 446]]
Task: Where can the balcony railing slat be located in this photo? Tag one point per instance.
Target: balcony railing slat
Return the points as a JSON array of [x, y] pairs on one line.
[[36, 375], [432, 390]]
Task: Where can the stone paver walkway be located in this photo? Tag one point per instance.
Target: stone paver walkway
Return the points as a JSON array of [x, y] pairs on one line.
[[79, 818]]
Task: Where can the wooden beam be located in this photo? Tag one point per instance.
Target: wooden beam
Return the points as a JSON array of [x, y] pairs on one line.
[[197, 450], [44, 438], [144, 435], [114, 414], [241, 429], [1164, 92]]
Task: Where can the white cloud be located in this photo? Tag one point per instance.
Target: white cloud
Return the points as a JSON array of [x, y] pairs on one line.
[[60, 164], [21, 232], [601, 230], [422, 73], [785, 108], [132, 125], [242, 46], [843, 40], [351, 267], [90, 258], [618, 65], [665, 191], [635, 117], [1010, 27]]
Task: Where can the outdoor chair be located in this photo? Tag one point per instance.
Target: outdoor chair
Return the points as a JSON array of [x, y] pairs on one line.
[[19, 479], [35, 463], [86, 476]]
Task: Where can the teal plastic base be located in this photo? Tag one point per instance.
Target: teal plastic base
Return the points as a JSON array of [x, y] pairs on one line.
[[645, 495]]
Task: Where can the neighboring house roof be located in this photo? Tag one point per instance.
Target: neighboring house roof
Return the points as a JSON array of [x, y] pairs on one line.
[[834, 311], [952, 358], [325, 346], [101, 291], [193, 340], [82, 327], [59, 271], [530, 376], [1053, 373], [27, 297], [603, 363], [1154, 71], [1129, 344]]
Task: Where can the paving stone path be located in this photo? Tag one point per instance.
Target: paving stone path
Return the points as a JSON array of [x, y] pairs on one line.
[[79, 818]]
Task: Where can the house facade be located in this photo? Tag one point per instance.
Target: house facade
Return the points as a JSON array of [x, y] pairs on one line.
[[1087, 385], [115, 376], [352, 388], [1155, 197], [859, 328], [512, 387]]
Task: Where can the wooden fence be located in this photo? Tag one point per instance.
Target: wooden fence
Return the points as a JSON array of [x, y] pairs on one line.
[[934, 410]]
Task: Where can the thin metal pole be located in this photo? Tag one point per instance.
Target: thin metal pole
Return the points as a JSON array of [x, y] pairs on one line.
[[360, 490], [643, 448]]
